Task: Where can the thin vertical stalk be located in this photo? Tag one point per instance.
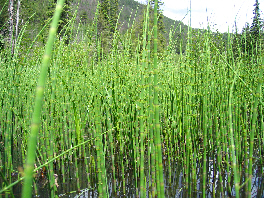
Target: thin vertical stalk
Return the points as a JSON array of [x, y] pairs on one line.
[[252, 134], [27, 189], [102, 188], [151, 124], [142, 135], [159, 170], [205, 118], [232, 150]]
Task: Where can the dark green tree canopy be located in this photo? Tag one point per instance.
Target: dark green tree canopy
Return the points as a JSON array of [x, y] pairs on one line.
[[252, 34], [107, 15], [107, 19], [66, 14], [257, 23]]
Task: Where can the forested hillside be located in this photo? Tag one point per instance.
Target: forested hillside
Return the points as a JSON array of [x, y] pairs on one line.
[[34, 15], [129, 10], [30, 19]]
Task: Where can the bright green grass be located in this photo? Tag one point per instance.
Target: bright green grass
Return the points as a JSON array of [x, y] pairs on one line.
[[203, 104]]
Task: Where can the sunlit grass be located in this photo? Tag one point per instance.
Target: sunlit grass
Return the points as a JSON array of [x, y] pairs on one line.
[[134, 110]]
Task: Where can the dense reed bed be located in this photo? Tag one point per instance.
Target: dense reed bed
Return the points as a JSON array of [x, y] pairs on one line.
[[134, 122]]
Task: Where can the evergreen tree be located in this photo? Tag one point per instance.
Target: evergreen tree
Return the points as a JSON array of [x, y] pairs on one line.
[[4, 16], [251, 35], [106, 23], [113, 14], [108, 15], [39, 11], [3, 22], [103, 18], [257, 24], [66, 15]]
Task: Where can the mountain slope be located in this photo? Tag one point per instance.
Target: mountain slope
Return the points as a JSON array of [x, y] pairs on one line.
[[130, 10]]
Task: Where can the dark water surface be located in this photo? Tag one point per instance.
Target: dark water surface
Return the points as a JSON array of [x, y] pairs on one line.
[[71, 185]]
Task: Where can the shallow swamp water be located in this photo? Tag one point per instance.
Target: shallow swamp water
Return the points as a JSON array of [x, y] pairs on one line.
[[79, 179]]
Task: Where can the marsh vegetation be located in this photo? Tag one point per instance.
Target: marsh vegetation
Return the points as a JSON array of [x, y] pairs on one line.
[[129, 120]]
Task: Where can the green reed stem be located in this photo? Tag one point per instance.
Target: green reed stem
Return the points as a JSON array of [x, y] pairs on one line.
[[27, 189], [205, 117], [151, 124], [231, 136], [141, 117], [159, 171], [102, 188], [51, 160], [252, 133]]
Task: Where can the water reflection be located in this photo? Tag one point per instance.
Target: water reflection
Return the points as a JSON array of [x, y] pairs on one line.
[[84, 184]]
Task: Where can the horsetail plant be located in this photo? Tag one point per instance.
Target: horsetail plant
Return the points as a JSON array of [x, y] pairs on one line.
[[29, 166], [254, 121], [159, 168], [142, 82], [119, 123], [232, 143]]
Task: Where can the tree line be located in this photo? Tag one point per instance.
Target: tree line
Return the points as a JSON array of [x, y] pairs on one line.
[[34, 15], [251, 38], [16, 16]]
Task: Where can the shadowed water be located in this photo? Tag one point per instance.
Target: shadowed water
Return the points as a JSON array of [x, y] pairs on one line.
[[85, 184]]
